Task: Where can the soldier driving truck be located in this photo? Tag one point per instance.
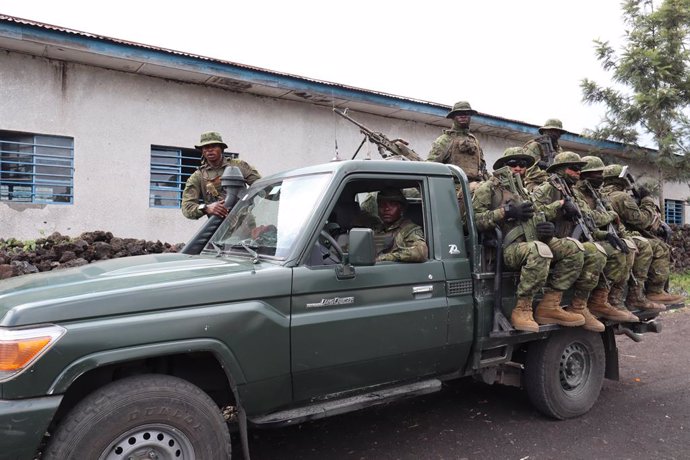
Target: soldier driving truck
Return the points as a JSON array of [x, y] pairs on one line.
[[266, 320]]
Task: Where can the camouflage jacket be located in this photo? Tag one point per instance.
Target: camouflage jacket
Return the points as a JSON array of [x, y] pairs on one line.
[[539, 148], [402, 241], [488, 203], [642, 218], [459, 147], [534, 177], [204, 184]]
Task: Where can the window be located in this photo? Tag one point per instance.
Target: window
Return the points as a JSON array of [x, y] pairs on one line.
[[36, 168], [674, 211], [170, 169]]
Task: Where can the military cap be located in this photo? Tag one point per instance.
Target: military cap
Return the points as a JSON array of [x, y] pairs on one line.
[[565, 160], [209, 138], [514, 153], [552, 123], [594, 164], [391, 194], [461, 108]]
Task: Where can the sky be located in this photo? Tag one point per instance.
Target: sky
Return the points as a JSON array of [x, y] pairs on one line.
[[521, 60]]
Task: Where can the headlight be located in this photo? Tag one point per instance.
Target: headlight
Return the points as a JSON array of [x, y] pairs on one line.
[[19, 348]]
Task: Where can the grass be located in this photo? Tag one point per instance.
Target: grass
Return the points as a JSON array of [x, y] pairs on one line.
[[680, 283]]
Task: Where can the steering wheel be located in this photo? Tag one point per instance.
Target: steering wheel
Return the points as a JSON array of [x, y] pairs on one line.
[[334, 243]]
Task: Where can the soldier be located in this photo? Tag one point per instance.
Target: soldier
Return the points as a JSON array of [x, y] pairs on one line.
[[529, 246], [459, 147], [562, 209], [398, 239], [643, 221], [543, 148], [606, 300], [204, 183]]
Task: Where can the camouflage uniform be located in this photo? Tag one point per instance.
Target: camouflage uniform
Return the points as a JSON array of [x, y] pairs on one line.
[[542, 148], [457, 146], [402, 241], [204, 184]]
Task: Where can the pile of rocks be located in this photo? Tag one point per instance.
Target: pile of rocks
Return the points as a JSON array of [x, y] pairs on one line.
[[59, 251], [680, 248]]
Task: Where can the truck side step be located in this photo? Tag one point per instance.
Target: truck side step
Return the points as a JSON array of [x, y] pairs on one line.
[[343, 405]]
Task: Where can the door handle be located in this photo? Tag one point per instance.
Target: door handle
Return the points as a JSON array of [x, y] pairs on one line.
[[417, 290]]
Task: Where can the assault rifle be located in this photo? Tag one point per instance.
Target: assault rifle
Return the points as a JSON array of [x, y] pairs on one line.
[[616, 239], [387, 148], [547, 145], [583, 224]]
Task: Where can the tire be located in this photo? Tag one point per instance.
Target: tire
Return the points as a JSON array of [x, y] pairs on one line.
[[145, 416], [564, 373]]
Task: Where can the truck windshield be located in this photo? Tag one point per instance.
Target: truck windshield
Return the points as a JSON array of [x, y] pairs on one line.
[[269, 218]]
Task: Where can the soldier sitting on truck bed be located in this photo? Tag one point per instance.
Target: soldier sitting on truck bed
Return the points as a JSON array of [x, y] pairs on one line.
[[398, 239], [528, 244]]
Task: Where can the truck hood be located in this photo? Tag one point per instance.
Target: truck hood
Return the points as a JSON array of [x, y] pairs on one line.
[[126, 285]]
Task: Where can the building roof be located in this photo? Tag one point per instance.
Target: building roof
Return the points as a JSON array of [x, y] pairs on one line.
[[54, 42]]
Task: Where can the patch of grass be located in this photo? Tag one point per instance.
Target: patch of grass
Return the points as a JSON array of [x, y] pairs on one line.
[[680, 283]]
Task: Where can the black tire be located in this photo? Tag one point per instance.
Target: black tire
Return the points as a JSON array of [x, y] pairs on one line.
[[158, 414], [564, 373]]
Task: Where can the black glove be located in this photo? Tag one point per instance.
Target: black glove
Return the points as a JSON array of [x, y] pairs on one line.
[[519, 211], [665, 231], [545, 231], [570, 209], [642, 192], [617, 243], [542, 164]]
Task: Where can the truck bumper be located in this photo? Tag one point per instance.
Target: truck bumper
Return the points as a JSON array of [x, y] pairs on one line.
[[23, 422]]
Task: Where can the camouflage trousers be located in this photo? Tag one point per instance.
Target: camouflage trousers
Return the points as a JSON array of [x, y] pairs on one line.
[[594, 262], [642, 259], [617, 268], [567, 264], [660, 268]]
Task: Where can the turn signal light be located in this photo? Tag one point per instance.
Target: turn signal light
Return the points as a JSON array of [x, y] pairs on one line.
[[19, 348]]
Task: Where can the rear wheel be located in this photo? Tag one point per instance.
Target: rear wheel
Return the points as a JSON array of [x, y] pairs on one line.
[[143, 417], [564, 373]]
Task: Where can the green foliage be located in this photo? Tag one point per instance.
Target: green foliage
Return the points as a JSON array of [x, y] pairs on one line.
[[680, 282], [651, 93]]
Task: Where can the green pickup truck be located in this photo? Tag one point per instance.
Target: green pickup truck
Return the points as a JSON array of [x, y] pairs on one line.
[[280, 315]]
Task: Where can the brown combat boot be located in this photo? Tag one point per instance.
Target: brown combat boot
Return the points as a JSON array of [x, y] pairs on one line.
[[599, 306], [549, 311], [637, 301], [522, 318], [579, 306], [658, 295]]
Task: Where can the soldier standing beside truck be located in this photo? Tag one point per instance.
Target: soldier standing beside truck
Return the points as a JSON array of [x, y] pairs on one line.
[[528, 245], [204, 183], [458, 146]]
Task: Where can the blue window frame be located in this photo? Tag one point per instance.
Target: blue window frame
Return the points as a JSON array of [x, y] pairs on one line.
[[170, 169], [674, 211], [36, 168]]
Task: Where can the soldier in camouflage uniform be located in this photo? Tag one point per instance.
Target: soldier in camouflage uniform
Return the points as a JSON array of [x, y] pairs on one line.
[[642, 221], [398, 239], [204, 183], [606, 300], [543, 148], [459, 147], [550, 199], [529, 246]]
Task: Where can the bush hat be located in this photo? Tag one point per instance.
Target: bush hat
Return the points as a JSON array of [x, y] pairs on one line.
[[209, 138]]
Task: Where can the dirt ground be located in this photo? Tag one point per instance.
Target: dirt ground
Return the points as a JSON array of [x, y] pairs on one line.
[[644, 415]]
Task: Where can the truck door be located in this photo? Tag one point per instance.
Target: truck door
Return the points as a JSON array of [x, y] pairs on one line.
[[387, 323]]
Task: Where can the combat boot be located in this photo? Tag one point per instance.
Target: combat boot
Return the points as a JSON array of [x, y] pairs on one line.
[[659, 295], [599, 306], [549, 311], [522, 318], [637, 301], [579, 306]]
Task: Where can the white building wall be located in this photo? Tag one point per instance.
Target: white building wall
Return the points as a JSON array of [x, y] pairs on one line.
[[115, 117]]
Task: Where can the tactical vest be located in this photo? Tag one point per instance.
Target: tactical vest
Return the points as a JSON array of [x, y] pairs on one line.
[[507, 189], [464, 151]]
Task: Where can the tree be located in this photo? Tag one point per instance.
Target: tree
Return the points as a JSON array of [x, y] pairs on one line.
[[651, 96]]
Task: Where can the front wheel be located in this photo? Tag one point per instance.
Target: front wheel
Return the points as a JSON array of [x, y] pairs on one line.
[[142, 417], [564, 373]]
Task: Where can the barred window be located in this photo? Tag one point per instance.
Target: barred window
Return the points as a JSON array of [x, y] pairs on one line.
[[170, 169], [36, 168], [674, 211]]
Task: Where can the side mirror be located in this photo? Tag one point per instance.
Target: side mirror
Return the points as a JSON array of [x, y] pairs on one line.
[[362, 250]]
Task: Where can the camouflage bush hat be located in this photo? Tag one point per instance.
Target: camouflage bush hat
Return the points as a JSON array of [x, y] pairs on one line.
[[461, 107], [552, 123], [391, 194], [564, 160], [514, 153], [211, 137], [594, 164], [618, 173]]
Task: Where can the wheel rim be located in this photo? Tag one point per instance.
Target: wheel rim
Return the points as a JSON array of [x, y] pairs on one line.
[[150, 442], [575, 367]]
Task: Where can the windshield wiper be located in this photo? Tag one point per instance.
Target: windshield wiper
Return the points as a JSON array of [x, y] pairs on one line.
[[217, 247], [249, 249]]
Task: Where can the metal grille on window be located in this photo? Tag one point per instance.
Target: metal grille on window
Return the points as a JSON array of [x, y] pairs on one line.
[[170, 169], [674, 211], [36, 168]]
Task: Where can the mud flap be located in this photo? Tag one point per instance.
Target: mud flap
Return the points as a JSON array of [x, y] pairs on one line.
[[611, 350]]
